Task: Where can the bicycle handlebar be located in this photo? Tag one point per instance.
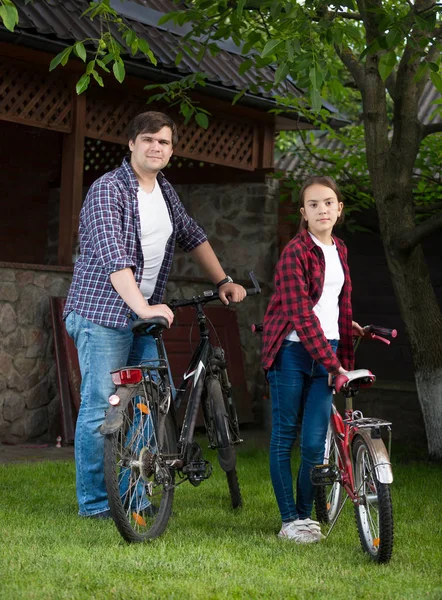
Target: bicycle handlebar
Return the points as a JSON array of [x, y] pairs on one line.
[[211, 296]]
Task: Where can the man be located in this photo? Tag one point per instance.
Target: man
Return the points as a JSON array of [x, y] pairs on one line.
[[129, 223]]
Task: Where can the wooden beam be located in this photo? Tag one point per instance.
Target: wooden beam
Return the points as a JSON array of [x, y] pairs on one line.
[[71, 190], [267, 146]]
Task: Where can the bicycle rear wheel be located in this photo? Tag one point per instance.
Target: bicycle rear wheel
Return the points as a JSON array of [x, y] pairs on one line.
[[226, 449], [139, 483], [328, 499], [374, 516]]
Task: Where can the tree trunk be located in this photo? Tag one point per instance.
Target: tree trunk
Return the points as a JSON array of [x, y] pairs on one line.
[[390, 162], [413, 288]]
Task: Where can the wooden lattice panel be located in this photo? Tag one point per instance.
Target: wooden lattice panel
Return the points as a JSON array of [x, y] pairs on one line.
[[34, 97], [225, 142]]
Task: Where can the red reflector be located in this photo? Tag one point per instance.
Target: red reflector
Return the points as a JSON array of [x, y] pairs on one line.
[[127, 376]]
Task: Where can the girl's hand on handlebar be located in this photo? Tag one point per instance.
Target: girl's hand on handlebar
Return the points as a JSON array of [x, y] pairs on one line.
[[357, 330], [330, 375], [232, 292]]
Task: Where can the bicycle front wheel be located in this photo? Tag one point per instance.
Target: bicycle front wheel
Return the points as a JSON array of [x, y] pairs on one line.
[[328, 499], [140, 485], [226, 449], [374, 514]]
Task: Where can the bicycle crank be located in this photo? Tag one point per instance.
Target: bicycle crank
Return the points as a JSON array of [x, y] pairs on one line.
[[197, 471]]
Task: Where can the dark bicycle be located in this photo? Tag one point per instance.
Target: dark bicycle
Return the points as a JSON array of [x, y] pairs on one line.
[[146, 455]]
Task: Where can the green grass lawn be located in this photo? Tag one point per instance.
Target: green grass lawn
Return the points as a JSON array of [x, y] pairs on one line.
[[208, 551]]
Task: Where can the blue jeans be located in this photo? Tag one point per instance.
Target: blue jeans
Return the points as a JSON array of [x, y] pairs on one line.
[[297, 383], [100, 350]]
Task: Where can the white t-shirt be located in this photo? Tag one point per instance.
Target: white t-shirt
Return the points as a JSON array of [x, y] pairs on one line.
[[156, 229], [327, 308]]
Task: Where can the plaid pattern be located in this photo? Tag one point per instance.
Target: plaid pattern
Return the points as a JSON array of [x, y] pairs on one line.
[[109, 235], [299, 280]]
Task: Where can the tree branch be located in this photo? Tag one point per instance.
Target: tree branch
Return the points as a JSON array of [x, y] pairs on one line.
[[353, 65], [420, 232], [430, 128]]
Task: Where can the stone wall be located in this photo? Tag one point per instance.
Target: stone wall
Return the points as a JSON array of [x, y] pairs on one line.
[[29, 402], [241, 222]]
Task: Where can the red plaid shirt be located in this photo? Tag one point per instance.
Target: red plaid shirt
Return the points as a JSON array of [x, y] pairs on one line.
[[299, 280]]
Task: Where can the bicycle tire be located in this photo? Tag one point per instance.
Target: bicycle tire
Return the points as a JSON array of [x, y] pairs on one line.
[[374, 517], [328, 499], [226, 449], [135, 471]]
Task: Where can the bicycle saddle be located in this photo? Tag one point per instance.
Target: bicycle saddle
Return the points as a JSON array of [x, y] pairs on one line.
[[149, 326], [360, 378]]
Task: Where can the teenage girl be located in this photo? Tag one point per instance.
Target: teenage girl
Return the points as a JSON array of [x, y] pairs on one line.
[[307, 335]]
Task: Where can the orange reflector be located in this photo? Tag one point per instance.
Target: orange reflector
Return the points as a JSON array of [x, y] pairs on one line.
[[328, 505], [376, 542], [139, 520], [143, 408]]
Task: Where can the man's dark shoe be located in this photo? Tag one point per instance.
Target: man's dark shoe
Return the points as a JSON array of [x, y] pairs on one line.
[[106, 514]]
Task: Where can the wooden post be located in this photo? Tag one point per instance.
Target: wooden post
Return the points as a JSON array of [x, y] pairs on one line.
[[71, 190]]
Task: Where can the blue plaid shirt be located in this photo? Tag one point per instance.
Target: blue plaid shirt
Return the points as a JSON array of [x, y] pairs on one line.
[[109, 236]]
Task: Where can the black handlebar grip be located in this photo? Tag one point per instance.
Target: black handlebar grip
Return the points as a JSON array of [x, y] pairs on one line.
[[382, 331]]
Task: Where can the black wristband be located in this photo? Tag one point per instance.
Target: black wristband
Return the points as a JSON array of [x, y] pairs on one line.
[[228, 279]]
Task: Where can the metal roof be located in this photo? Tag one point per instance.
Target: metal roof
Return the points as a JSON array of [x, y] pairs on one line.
[[61, 19], [51, 24]]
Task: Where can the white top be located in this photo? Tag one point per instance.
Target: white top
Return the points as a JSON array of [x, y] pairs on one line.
[[156, 229], [327, 308]]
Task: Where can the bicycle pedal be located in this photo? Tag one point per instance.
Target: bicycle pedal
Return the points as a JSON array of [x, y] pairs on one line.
[[324, 474], [197, 470]]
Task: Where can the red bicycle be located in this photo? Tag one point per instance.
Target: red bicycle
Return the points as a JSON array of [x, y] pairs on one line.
[[357, 465]]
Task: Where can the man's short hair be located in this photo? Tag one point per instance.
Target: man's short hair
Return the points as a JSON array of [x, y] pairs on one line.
[[151, 122]]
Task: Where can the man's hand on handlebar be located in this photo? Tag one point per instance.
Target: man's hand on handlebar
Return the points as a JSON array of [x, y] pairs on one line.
[[157, 310], [232, 292]]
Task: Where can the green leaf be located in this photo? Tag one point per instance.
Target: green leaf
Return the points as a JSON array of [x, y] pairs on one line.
[[178, 58], [97, 78], [102, 65], [144, 47], [130, 37], [245, 66], [437, 81], [271, 47], [90, 67], [202, 120], [82, 83], [434, 67], [238, 96], [61, 58], [281, 72], [9, 16], [421, 70], [394, 37], [240, 8], [119, 71], [80, 51], [387, 64]]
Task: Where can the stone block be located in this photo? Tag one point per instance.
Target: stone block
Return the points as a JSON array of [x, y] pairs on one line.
[[36, 423], [38, 396], [16, 381], [13, 405], [41, 280], [24, 278], [8, 291], [24, 365], [13, 343], [8, 318], [7, 275], [5, 364], [37, 343]]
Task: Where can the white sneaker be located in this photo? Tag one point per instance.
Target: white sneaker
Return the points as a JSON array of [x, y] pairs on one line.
[[299, 531], [314, 528]]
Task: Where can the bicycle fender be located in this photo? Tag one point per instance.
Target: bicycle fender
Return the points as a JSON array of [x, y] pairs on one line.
[[114, 416], [381, 459]]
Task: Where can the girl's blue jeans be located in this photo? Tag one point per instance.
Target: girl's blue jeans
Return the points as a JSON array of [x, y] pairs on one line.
[[100, 351], [297, 384]]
